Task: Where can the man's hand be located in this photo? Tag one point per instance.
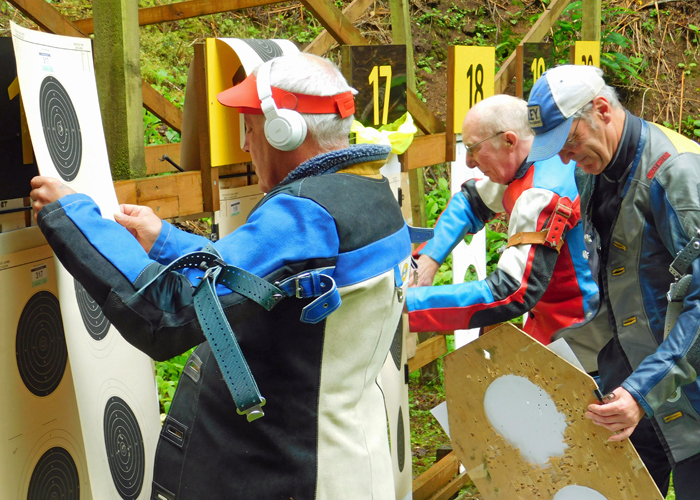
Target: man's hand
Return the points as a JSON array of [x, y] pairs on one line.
[[427, 267], [46, 190], [141, 222], [621, 414]]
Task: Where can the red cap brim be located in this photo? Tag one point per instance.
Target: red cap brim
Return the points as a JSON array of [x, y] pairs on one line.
[[245, 97]]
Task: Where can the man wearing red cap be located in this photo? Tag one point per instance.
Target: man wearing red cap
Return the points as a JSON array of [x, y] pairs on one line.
[[325, 253]]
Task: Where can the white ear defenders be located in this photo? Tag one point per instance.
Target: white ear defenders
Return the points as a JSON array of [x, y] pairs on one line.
[[285, 129]]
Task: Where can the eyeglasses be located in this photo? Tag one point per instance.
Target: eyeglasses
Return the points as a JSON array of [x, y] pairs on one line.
[[572, 143], [472, 149]]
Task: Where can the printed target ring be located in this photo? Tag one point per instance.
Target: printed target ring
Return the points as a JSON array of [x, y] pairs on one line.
[[265, 49], [396, 348], [96, 324], [61, 128], [55, 477], [40, 345], [400, 441], [125, 449]]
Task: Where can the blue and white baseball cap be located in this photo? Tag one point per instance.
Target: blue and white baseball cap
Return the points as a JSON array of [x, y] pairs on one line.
[[556, 96]]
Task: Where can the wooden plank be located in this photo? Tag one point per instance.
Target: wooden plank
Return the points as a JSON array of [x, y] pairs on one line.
[[422, 116], [435, 478], [182, 10], [210, 175], [173, 195], [452, 487], [155, 153], [519, 71], [501, 470], [590, 19], [324, 40], [427, 351], [157, 104], [401, 34], [165, 208], [451, 133], [339, 26], [47, 18], [425, 150], [536, 33]]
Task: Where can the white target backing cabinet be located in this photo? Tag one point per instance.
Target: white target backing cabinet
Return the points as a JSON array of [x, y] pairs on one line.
[[42, 455]]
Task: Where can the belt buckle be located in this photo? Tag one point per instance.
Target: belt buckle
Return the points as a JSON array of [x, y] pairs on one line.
[[298, 289], [254, 412]]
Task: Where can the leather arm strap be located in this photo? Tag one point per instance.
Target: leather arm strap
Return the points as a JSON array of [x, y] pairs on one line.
[[533, 238], [553, 235]]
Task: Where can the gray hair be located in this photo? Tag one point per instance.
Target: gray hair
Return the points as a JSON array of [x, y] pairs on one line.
[[607, 92], [313, 75], [500, 113]]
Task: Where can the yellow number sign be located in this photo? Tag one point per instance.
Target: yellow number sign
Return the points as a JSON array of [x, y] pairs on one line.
[[587, 53], [374, 75], [474, 71]]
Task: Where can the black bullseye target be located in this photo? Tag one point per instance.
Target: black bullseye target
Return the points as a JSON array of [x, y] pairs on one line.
[[41, 344], [396, 348], [61, 128], [125, 450], [400, 442], [266, 49], [96, 324], [55, 477]]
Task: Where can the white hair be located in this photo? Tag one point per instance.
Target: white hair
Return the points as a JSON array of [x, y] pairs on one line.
[[501, 113], [313, 75], [608, 92]]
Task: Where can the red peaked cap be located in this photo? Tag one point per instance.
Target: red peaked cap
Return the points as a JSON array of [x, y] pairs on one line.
[[245, 97]]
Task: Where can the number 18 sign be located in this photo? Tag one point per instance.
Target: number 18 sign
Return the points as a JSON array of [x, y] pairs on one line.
[[471, 80]]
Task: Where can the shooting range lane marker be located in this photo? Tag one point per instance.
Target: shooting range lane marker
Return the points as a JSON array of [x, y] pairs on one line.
[[55, 477], [96, 324], [61, 128], [125, 450], [576, 492], [40, 345], [527, 418]]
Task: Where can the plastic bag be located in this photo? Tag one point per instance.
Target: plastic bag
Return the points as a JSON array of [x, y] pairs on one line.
[[398, 134]]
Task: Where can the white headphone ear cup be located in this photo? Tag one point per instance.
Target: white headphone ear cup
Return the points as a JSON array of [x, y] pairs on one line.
[[286, 131]]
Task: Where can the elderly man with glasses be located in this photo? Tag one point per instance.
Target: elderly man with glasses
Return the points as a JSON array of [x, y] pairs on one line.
[[640, 202], [542, 271]]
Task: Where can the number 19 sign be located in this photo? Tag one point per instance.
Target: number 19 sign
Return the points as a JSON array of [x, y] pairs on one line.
[[470, 81]]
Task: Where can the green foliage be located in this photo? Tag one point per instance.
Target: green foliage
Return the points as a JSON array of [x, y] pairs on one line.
[[151, 134], [436, 199], [167, 375]]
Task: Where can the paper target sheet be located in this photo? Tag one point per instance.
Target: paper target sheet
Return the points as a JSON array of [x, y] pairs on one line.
[[114, 382]]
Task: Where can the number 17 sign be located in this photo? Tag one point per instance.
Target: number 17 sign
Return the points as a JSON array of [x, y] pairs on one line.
[[471, 73]]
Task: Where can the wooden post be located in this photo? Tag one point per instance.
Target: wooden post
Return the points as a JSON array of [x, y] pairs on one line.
[[210, 175], [117, 63], [401, 32], [590, 16]]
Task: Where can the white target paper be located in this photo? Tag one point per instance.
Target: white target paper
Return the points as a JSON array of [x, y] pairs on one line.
[[114, 382]]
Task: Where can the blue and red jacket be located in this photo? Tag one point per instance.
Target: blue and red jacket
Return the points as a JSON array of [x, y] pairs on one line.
[[556, 288]]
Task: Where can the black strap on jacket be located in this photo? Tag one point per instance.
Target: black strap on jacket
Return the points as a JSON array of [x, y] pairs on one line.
[[232, 363]]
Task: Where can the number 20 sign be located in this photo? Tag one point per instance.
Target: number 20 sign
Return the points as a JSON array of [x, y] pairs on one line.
[[471, 81]]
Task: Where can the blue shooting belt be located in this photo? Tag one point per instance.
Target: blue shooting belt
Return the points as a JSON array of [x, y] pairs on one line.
[[234, 368]]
